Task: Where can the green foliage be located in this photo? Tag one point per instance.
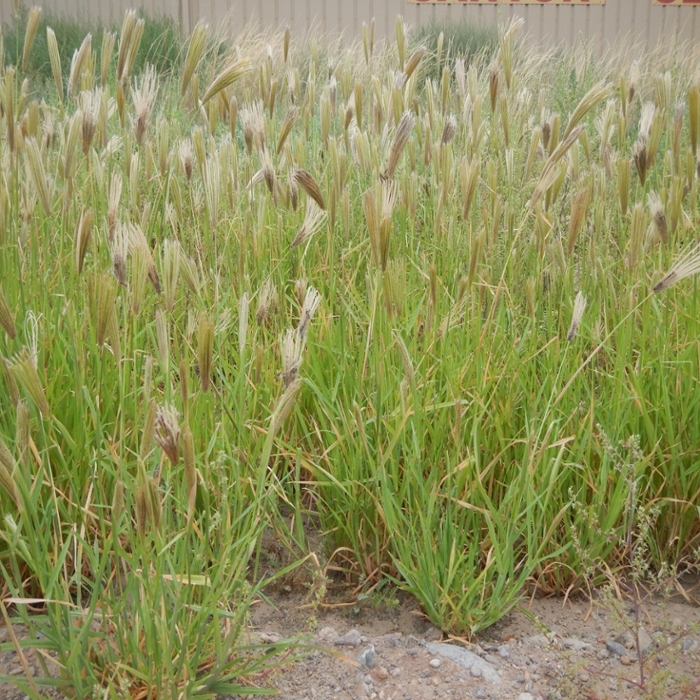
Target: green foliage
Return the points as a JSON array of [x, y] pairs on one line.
[[160, 45], [436, 373], [463, 39]]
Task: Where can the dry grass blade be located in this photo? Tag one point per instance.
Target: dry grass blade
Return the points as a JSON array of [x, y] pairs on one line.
[[227, 77], [35, 166], [306, 181]]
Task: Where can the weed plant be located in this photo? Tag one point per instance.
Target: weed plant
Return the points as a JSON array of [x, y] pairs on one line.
[[290, 277]]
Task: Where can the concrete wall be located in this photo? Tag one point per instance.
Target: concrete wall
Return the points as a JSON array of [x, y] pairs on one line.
[[643, 19]]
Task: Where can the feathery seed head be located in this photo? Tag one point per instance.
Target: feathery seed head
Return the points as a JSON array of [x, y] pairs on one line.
[[108, 40], [311, 303], [30, 34], [143, 97], [449, 130], [119, 251], [579, 308], [186, 158], [659, 215], [314, 218], [78, 65], [55, 59], [687, 265], [306, 181], [24, 371], [198, 40], [403, 132], [267, 301], [284, 406], [89, 102], [292, 346], [7, 320], [167, 433]]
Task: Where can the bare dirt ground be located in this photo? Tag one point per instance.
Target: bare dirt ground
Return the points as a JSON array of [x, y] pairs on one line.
[[548, 649], [385, 649]]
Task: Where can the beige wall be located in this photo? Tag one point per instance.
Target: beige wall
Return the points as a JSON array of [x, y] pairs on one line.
[[553, 23]]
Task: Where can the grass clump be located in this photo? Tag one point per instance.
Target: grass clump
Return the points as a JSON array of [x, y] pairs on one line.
[[285, 281]]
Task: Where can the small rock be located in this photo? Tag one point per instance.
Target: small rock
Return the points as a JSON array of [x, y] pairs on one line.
[[603, 654], [584, 677], [493, 660], [367, 657], [576, 644], [466, 659], [688, 644], [411, 652], [425, 674], [396, 672], [351, 639], [476, 672], [270, 637], [625, 660], [525, 696], [480, 693], [615, 648], [380, 674], [520, 678], [628, 640], [504, 652]]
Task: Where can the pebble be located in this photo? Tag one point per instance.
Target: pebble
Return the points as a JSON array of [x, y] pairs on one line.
[[270, 637], [480, 693], [435, 663], [327, 634], [584, 677], [425, 674], [625, 660], [367, 657], [493, 660], [576, 644], [525, 696], [381, 674], [396, 672], [351, 639], [688, 644], [615, 647], [627, 639], [476, 672], [466, 659], [504, 652]]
